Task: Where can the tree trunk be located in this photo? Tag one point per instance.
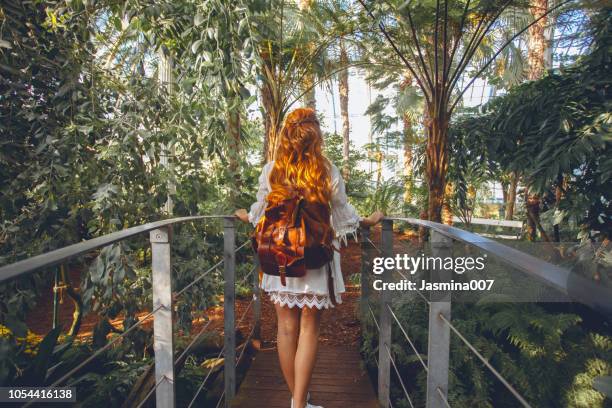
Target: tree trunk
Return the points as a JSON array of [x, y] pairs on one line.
[[536, 49], [532, 206], [536, 42], [408, 140], [511, 196], [235, 146], [505, 186], [272, 121], [310, 100], [447, 212], [437, 163], [379, 160], [408, 185], [343, 90], [166, 83], [308, 85]]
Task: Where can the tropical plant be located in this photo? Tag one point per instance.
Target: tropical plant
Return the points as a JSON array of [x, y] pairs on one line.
[[553, 132], [438, 61]]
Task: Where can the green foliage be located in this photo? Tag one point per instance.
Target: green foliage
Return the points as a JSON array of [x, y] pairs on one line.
[[547, 355], [553, 132], [84, 125], [357, 182]]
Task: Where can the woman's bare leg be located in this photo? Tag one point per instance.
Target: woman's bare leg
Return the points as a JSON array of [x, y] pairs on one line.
[[287, 340], [306, 354]]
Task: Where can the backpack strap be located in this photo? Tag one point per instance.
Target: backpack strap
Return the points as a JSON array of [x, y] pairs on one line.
[[330, 285]]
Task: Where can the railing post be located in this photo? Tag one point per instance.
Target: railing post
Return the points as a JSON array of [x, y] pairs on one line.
[[229, 312], [163, 343], [365, 269], [384, 341], [256, 300], [439, 333]]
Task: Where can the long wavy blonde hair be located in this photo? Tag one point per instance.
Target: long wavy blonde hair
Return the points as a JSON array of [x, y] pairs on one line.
[[300, 168]]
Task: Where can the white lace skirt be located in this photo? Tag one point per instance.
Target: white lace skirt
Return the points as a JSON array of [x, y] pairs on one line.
[[308, 291]]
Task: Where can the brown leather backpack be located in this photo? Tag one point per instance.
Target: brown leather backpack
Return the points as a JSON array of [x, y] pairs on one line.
[[294, 235]]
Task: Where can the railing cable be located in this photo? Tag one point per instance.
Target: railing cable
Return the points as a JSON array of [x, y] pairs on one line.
[[373, 316], [220, 399], [374, 245], [106, 347], [243, 280], [217, 358], [199, 278], [212, 268], [398, 375], [151, 391], [486, 363], [193, 341], [443, 397], [245, 346], [416, 352], [206, 378], [245, 243], [99, 351], [245, 312], [416, 290]]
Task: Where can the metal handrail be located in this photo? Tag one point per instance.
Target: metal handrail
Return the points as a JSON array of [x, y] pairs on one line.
[[571, 284], [58, 256], [160, 239], [440, 329]]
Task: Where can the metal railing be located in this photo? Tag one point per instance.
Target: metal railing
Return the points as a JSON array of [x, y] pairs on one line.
[[440, 327], [165, 361]]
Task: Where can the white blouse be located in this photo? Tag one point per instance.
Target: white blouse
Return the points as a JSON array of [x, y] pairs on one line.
[[310, 290]]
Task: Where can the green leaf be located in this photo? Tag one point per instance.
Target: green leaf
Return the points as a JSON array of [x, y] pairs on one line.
[[196, 46], [43, 357], [244, 93]]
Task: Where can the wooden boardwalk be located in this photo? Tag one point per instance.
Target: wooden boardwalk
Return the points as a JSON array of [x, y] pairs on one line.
[[339, 381]]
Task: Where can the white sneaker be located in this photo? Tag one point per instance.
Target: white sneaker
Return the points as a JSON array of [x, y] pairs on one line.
[[308, 405]]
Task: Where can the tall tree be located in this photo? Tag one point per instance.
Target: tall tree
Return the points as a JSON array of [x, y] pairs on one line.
[[308, 85], [439, 63], [537, 45], [288, 50]]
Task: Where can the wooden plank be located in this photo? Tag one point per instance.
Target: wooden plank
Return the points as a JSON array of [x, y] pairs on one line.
[[338, 381]]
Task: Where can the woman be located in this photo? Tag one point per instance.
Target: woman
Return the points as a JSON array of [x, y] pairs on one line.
[[300, 166]]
